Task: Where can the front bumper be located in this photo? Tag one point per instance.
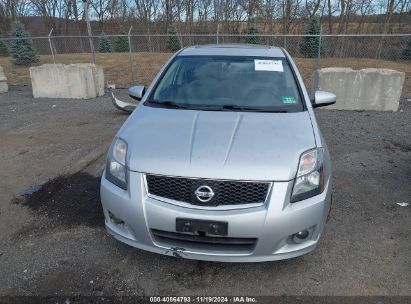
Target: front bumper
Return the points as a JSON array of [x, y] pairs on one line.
[[271, 224]]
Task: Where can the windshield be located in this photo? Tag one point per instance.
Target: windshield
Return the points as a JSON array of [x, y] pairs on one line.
[[228, 83]]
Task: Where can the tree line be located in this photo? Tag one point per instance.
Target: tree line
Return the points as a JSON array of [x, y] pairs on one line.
[[210, 16], [22, 52]]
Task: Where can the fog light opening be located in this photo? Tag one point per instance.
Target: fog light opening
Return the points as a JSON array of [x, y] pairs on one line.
[[300, 236], [115, 220]]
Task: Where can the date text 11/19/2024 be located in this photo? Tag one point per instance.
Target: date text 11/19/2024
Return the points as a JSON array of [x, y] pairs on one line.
[[203, 299]]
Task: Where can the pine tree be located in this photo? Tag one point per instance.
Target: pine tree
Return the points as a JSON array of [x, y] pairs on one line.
[[4, 51], [173, 43], [21, 49], [121, 43], [309, 46], [104, 44], [254, 39], [406, 52], [236, 36]]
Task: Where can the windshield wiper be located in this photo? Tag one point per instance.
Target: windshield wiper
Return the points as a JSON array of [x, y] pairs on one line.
[[251, 109], [227, 107], [168, 104]]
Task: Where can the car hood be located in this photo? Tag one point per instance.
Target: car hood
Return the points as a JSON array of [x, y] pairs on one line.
[[217, 144]]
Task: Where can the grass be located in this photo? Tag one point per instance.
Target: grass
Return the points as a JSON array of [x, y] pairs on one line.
[[117, 67]]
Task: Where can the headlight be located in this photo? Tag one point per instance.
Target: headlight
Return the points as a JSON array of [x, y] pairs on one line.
[[310, 175], [116, 169]]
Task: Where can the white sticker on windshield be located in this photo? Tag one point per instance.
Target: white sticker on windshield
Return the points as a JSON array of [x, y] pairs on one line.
[[268, 65]]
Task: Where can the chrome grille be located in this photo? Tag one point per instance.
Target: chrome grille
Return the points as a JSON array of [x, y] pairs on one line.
[[225, 192]]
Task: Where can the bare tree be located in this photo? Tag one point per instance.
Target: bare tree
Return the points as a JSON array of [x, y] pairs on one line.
[[391, 6], [100, 8], [312, 7]]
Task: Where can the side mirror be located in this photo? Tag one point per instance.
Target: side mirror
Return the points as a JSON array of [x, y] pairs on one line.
[[136, 92], [322, 99]]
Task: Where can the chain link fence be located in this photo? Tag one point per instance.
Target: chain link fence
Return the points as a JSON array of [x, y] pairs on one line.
[[130, 59]]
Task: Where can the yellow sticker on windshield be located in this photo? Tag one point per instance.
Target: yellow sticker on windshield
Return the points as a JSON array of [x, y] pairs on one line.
[[289, 99]]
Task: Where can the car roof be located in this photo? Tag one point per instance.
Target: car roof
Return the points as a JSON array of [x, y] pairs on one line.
[[232, 50]]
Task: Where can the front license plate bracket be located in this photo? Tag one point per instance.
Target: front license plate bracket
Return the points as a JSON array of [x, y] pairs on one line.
[[201, 227]]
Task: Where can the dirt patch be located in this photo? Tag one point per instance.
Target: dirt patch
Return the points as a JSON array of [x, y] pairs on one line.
[[70, 200], [393, 145]]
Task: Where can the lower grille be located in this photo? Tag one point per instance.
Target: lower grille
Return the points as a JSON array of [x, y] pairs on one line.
[[204, 242], [225, 192]]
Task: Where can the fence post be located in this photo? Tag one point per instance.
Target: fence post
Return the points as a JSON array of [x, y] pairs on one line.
[[51, 46], [86, 4], [218, 32], [319, 48], [130, 58], [318, 65]]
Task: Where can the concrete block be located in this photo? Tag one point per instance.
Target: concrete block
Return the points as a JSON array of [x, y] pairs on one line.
[[3, 81], [366, 89], [80, 80]]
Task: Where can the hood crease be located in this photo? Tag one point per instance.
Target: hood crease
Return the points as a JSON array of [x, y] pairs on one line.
[[193, 130], [233, 135]]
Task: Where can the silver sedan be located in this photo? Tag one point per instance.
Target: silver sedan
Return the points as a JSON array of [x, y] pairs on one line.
[[222, 159]]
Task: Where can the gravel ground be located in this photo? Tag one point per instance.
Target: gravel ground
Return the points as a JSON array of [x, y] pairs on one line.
[[53, 242]]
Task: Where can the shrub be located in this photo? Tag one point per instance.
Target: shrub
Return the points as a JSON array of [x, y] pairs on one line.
[[254, 39], [406, 52], [104, 44], [21, 49], [309, 46], [4, 51], [121, 43], [173, 43]]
